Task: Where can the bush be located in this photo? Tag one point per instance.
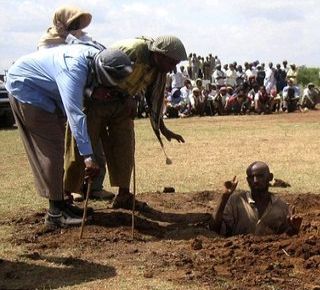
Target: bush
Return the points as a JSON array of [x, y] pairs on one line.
[[307, 75]]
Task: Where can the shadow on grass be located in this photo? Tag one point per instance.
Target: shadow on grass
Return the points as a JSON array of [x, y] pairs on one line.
[[157, 223], [60, 273]]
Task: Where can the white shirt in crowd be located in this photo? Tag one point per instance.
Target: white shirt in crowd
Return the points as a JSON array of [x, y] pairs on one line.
[[177, 80]]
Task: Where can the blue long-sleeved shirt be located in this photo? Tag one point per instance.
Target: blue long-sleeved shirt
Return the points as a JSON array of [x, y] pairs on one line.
[[53, 78]]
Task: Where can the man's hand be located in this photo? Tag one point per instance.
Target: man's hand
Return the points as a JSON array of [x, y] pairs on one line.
[[230, 186], [92, 169], [294, 221], [169, 134]]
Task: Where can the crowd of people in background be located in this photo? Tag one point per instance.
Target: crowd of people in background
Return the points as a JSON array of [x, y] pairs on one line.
[[206, 87]]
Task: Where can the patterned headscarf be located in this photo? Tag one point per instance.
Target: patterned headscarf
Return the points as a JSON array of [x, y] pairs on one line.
[[62, 19]]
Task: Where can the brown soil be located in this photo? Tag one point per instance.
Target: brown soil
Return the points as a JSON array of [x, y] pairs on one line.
[[171, 244]]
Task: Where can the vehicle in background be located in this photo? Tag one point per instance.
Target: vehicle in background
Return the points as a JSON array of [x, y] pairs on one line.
[[6, 116]]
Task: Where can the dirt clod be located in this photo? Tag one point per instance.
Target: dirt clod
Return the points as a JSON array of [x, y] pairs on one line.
[[196, 244]]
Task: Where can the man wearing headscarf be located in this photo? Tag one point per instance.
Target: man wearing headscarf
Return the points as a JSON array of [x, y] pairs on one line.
[[153, 59], [46, 88]]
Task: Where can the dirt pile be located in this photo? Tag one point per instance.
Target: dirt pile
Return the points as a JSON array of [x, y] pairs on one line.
[[173, 243]]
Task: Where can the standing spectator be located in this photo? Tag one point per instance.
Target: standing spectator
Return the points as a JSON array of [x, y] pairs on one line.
[[241, 76], [280, 76], [218, 77], [293, 74], [207, 68], [194, 67], [248, 70], [217, 60], [212, 61], [225, 68], [184, 72], [261, 74], [201, 64], [177, 79], [189, 68], [270, 80], [231, 76], [285, 66]]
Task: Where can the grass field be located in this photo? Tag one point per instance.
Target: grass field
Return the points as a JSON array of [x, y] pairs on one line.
[[216, 149]]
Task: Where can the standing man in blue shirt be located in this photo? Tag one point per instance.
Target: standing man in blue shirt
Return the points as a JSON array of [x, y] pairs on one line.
[[46, 89]]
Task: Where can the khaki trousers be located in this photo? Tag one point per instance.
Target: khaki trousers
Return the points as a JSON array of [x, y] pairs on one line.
[[42, 134], [112, 122]]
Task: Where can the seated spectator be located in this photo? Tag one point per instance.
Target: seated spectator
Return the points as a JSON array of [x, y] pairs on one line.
[[257, 211], [219, 101], [310, 97], [175, 104], [252, 81], [234, 104], [211, 92], [291, 96], [262, 101], [275, 101], [186, 92], [251, 95], [198, 101]]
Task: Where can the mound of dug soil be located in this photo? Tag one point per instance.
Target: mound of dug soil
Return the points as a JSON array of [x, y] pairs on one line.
[[171, 242]]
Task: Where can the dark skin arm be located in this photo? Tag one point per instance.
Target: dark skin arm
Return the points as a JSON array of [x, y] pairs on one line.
[[229, 188], [294, 222], [169, 134]]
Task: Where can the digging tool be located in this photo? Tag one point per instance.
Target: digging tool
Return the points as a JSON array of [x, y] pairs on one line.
[[84, 217], [134, 199], [168, 160]]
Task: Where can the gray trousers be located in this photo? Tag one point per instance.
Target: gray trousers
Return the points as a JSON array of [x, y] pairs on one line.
[[42, 134]]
